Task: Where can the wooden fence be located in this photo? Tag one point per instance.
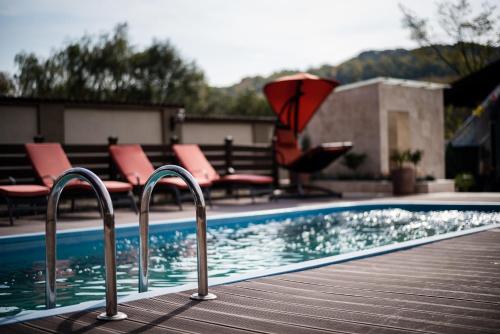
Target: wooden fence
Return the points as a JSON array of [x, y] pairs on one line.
[[254, 159]]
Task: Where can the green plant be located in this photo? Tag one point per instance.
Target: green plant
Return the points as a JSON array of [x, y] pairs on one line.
[[464, 181], [353, 160], [415, 157], [400, 157]]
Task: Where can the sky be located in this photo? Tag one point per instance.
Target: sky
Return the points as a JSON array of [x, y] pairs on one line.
[[227, 39]]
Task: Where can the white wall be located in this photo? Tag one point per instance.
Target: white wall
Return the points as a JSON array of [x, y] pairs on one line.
[[350, 115], [95, 126], [426, 125], [214, 133], [18, 125], [359, 113]]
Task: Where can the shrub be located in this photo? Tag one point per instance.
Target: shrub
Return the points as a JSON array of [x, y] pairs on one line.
[[400, 157], [464, 181], [353, 160]]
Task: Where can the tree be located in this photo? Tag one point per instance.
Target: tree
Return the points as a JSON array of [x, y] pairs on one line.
[[474, 35], [7, 86], [250, 103], [110, 68]]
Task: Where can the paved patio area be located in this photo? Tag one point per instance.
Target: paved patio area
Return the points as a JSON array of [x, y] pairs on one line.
[[90, 216]]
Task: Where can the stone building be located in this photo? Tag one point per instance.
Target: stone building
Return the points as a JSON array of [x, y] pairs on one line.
[[380, 115]]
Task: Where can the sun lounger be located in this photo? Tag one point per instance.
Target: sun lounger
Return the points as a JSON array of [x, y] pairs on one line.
[[193, 159], [288, 155], [136, 168], [21, 194], [49, 161]]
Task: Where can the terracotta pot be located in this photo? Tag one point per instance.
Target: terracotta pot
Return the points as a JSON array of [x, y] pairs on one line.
[[403, 181]]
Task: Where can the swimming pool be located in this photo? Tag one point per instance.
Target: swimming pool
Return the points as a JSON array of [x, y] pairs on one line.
[[237, 245]]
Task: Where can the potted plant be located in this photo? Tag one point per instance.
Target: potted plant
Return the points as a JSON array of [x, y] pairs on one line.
[[415, 157], [404, 175]]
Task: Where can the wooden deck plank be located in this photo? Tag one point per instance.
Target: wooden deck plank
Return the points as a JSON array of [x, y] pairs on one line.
[[451, 286], [203, 312], [482, 306], [380, 322], [60, 325], [334, 306], [462, 311], [445, 264], [425, 286], [21, 329], [303, 321], [392, 288], [141, 321], [205, 315], [418, 276]]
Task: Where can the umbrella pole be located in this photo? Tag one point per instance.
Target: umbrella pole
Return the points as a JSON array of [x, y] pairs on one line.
[[298, 94], [289, 105]]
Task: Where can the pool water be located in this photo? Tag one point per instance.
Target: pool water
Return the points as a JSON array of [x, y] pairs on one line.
[[234, 247]]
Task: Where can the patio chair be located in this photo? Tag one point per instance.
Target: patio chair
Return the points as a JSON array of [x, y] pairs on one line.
[[22, 194], [193, 159], [288, 155], [135, 167], [49, 161]]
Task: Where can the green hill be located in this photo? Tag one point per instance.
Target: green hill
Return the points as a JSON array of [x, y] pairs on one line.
[[246, 97], [416, 64]]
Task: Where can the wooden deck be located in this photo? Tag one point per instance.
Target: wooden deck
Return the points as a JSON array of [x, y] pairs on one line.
[[451, 286]]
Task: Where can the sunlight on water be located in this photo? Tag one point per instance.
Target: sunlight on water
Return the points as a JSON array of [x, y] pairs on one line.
[[232, 249]]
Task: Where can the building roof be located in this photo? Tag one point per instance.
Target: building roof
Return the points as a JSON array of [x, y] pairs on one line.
[[36, 100], [230, 118], [393, 82]]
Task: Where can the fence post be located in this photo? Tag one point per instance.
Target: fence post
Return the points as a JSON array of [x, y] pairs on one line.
[[170, 157], [228, 148], [275, 170], [38, 139], [174, 139], [112, 168], [228, 153]]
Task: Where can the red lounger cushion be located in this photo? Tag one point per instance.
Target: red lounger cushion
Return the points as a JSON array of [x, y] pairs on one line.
[[49, 161], [193, 159], [21, 190], [178, 182], [111, 186], [135, 166], [132, 162], [245, 179]]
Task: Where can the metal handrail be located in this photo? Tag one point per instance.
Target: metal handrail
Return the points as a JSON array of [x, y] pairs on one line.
[[109, 239], [201, 228]]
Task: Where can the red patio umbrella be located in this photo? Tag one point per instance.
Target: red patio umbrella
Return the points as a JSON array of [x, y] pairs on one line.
[[295, 98]]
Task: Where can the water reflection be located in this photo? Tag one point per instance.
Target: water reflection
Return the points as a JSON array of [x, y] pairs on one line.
[[232, 249]]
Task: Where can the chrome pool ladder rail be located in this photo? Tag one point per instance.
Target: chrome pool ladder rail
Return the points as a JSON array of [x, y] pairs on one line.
[[106, 207], [201, 228]]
